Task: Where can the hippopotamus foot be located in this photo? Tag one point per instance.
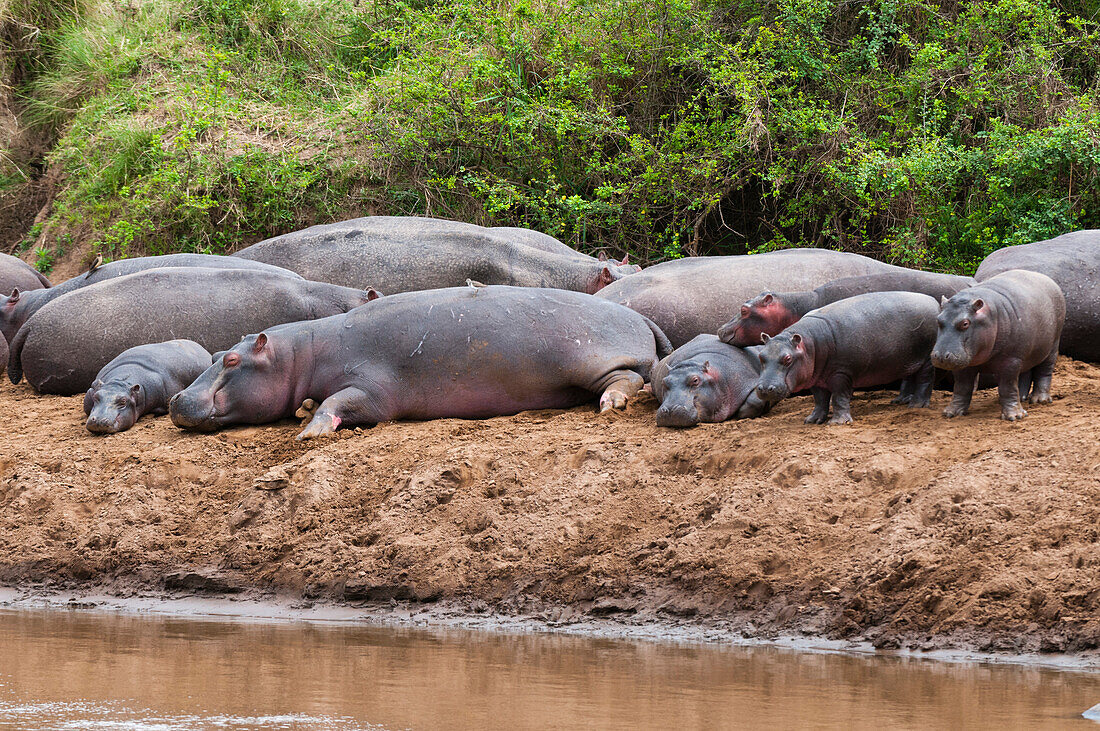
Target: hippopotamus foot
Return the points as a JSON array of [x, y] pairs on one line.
[[622, 385], [1040, 398], [965, 382], [954, 410], [351, 405], [841, 387], [1008, 393], [820, 414], [902, 398], [905, 393], [1012, 412], [845, 418], [1040, 377], [307, 411]]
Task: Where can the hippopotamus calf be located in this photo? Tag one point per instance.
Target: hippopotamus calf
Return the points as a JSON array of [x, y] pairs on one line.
[[770, 313], [707, 381], [867, 340], [140, 381], [1009, 326], [461, 352]]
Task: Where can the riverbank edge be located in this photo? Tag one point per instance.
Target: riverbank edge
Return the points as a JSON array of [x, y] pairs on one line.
[[461, 616]]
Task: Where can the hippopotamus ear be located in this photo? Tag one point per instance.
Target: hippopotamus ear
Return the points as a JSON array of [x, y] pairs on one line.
[[134, 389], [373, 294], [764, 337], [625, 261], [602, 256], [768, 299], [14, 296], [796, 340], [744, 310], [605, 276], [943, 301], [260, 344], [977, 305]]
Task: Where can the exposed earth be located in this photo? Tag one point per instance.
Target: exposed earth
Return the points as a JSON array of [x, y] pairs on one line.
[[905, 529]]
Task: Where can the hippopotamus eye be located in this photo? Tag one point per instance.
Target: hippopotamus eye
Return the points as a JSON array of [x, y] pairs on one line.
[[963, 324], [231, 359], [787, 360], [694, 381]]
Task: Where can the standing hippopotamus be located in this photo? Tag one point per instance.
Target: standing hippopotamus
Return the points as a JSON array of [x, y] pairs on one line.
[[1073, 262], [461, 352], [707, 381], [770, 313], [18, 274], [19, 306], [405, 254], [140, 381], [63, 346], [687, 297], [868, 340], [1007, 326]]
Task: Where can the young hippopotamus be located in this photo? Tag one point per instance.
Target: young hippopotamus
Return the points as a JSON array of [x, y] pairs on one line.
[[140, 381], [867, 340], [707, 381], [770, 313], [1008, 326], [461, 352]]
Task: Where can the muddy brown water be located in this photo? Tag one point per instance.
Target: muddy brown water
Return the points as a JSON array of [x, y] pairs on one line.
[[76, 670]]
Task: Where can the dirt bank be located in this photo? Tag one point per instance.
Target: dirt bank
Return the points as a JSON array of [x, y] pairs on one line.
[[905, 529]]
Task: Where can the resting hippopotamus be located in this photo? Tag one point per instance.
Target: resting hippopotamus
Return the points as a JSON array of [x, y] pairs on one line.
[[140, 381], [63, 346], [771, 313], [867, 340], [461, 352], [687, 297], [1007, 326], [1073, 262], [707, 381], [405, 254], [18, 274], [19, 306]]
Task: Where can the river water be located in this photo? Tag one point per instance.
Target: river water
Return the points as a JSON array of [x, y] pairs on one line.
[[82, 670]]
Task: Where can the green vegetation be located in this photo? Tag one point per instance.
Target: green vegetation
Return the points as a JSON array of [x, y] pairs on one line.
[[927, 133]]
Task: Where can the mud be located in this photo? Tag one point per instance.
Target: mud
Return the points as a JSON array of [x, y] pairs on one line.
[[905, 530]]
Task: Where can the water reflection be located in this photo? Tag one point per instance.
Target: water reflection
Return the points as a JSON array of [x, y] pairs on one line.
[[76, 670]]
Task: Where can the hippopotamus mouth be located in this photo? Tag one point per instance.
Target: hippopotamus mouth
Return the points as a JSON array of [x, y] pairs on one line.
[[948, 361], [186, 418], [102, 425], [676, 416]]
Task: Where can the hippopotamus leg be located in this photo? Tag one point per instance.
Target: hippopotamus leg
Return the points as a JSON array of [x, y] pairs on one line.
[[966, 380], [920, 396], [1040, 377], [753, 407], [620, 386], [1008, 393], [841, 386], [351, 404], [821, 406]]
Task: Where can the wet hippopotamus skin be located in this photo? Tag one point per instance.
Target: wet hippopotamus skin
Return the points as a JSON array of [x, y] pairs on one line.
[[140, 381], [695, 295], [404, 254], [1009, 327], [769, 313], [707, 381], [1073, 262], [16, 308], [862, 341], [447, 353], [18, 274], [64, 345]]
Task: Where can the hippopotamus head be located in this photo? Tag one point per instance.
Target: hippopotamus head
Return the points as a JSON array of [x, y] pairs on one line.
[[611, 271], [967, 332], [691, 393], [246, 384], [9, 314], [785, 364], [112, 407], [765, 314]]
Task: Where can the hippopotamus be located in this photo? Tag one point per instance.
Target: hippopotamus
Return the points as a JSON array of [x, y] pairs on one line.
[[867, 340], [1073, 262], [694, 295], [1008, 326], [18, 274], [403, 254], [20, 305], [460, 352], [707, 381], [140, 381], [64, 345], [772, 312]]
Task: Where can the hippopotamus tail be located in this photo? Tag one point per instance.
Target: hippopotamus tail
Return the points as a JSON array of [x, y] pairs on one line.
[[15, 355], [664, 345], [42, 278]]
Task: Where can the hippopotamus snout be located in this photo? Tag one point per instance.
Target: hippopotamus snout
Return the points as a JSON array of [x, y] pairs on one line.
[[189, 412], [772, 392], [948, 360], [677, 415], [104, 420]]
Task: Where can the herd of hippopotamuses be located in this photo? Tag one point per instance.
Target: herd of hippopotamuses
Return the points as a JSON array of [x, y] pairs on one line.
[[384, 318]]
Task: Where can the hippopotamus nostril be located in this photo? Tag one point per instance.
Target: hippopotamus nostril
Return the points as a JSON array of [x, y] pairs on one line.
[[676, 416]]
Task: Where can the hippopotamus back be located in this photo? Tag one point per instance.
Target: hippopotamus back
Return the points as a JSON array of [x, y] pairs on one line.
[[18, 274], [403, 254], [695, 295], [1073, 262]]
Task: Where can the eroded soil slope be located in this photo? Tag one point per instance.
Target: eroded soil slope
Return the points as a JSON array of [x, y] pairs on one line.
[[904, 528]]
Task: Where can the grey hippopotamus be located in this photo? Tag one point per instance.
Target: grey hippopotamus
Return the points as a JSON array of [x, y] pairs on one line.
[[707, 381], [771, 313], [691, 296], [404, 254], [63, 346], [20, 305], [447, 353], [1008, 326], [18, 274], [868, 340], [1073, 262], [140, 381]]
